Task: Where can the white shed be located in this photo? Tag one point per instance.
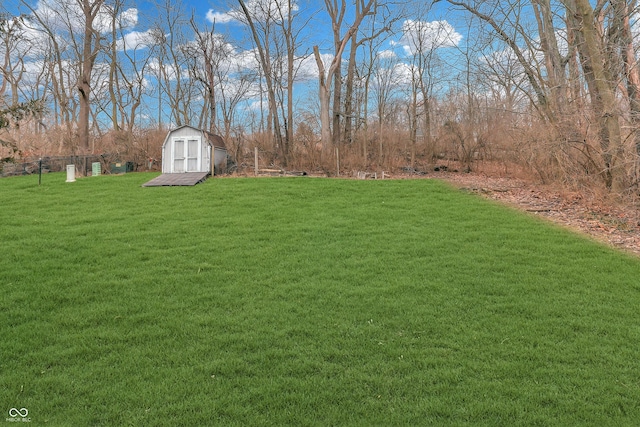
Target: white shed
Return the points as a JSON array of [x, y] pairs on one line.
[[187, 149]]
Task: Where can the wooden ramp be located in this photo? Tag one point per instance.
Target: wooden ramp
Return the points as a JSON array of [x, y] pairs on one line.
[[174, 179]]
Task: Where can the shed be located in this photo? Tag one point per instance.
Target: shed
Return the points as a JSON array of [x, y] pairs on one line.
[[187, 149], [186, 157]]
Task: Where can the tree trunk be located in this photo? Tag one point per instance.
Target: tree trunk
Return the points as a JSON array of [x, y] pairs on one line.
[[90, 47], [324, 97], [334, 69], [413, 121], [348, 98], [265, 62], [631, 73], [553, 60], [290, 42], [113, 65], [602, 94], [337, 104]]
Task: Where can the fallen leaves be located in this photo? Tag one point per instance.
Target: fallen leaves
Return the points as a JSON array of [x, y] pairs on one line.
[[614, 224]]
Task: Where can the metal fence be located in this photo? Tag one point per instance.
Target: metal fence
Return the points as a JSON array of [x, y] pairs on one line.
[[109, 163]]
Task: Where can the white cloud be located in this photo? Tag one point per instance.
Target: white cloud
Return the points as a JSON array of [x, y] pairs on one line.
[[422, 36], [165, 69], [387, 54], [67, 16], [51, 14], [104, 19], [260, 11], [403, 73], [310, 65], [247, 59], [220, 18], [255, 105], [392, 75], [136, 40], [308, 68], [129, 18], [25, 41]]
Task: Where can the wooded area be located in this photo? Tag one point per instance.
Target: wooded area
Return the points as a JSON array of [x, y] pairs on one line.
[[547, 88]]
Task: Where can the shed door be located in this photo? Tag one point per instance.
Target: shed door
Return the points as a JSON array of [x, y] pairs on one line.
[[186, 155]]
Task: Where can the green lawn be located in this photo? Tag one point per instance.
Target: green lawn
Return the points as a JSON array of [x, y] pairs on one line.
[[306, 302]]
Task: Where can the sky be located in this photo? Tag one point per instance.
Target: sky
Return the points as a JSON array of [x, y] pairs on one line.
[[316, 30], [139, 16], [434, 24], [442, 25]]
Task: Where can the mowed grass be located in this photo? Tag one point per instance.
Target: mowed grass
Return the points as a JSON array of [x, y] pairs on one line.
[[306, 302]]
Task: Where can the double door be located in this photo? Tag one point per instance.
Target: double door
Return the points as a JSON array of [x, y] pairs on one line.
[[186, 155]]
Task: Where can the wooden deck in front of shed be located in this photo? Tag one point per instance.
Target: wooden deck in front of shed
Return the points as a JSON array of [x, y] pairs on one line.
[[177, 179]]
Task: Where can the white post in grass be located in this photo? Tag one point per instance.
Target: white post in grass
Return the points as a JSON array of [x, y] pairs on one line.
[[71, 173]]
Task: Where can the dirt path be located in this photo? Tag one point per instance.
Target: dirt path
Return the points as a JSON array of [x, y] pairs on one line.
[[617, 226]]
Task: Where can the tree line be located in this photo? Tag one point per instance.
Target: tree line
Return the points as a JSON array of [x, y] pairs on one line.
[[550, 87]]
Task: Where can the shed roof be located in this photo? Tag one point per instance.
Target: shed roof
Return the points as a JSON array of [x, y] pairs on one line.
[[212, 138], [216, 140]]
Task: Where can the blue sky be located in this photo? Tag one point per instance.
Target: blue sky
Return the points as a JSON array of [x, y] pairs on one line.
[[140, 16], [311, 16], [316, 31]]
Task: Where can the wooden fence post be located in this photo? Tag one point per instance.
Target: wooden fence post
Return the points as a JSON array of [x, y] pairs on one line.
[[256, 160]]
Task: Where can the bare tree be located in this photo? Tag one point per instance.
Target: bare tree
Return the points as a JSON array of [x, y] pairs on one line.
[[601, 91], [234, 86], [547, 84], [386, 82], [157, 51], [14, 47], [171, 52], [554, 63], [112, 54], [275, 29], [90, 49], [134, 79], [290, 28], [379, 27], [424, 39], [530, 71], [209, 50], [54, 56], [266, 64], [78, 20], [366, 71], [621, 35], [336, 12]]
